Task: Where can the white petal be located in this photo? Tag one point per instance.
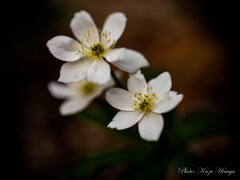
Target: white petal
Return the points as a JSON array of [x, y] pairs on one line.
[[99, 72], [126, 59], [120, 99], [59, 90], [160, 84], [136, 83], [109, 84], [167, 102], [64, 48], [115, 24], [81, 23], [150, 126], [125, 119], [74, 71], [73, 106]]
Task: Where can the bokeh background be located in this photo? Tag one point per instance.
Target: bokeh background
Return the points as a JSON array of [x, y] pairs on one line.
[[194, 40]]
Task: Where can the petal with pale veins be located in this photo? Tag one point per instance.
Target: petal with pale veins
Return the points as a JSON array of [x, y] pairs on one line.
[[115, 24], [120, 99], [167, 102], [125, 119], [160, 84], [126, 59], [99, 72], [74, 71], [64, 48], [137, 83], [82, 23], [150, 126]]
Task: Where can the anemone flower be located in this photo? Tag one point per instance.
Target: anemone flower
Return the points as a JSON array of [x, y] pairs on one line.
[[77, 95], [87, 56], [143, 103]]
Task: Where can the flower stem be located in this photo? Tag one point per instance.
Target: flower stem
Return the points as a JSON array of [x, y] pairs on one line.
[[118, 83]]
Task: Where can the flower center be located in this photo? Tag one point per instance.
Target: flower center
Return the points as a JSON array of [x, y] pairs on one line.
[[145, 102], [97, 50], [145, 105], [87, 88]]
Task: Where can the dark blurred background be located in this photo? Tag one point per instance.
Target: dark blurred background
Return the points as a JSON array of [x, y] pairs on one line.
[[196, 41]]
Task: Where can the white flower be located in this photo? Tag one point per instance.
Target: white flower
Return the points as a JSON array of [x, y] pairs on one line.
[[77, 95], [143, 104], [86, 58]]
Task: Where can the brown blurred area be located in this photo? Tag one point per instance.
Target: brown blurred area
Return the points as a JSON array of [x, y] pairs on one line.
[[182, 37]]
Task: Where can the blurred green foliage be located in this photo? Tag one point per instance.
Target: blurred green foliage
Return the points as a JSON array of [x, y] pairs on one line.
[[144, 160], [28, 57]]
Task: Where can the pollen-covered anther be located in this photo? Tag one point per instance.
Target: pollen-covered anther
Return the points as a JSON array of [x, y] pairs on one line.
[[89, 37], [145, 102], [97, 50], [106, 40], [82, 51], [114, 44], [91, 47]]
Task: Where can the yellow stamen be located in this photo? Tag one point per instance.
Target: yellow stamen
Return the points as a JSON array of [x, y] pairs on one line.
[[91, 47], [145, 101]]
